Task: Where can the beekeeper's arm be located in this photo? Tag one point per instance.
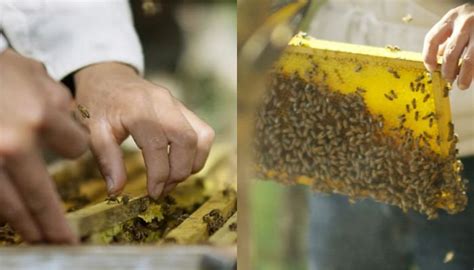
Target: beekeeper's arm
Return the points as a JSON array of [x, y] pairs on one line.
[[96, 42], [63, 37], [452, 38]]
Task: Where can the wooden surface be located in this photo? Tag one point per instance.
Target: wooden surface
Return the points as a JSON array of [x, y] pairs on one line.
[[117, 257], [104, 215]]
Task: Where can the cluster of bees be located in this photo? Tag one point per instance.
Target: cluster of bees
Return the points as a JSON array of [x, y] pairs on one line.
[[137, 230], [8, 235], [114, 199], [214, 221], [308, 131]]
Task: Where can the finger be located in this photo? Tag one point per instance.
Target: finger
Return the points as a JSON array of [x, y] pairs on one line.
[[58, 95], [15, 213], [452, 53], [151, 139], [433, 39], [182, 139], [205, 137], [63, 134], [467, 71], [442, 48], [109, 156], [12, 138], [37, 191]]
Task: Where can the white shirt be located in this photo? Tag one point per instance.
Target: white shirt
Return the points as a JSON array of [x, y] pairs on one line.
[[378, 23], [66, 35]]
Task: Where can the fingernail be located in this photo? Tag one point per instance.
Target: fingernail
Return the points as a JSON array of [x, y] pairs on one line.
[[110, 184], [462, 86], [447, 78]]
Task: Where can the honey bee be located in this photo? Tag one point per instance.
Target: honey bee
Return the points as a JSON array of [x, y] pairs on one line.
[[112, 199], [393, 72], [419, 78], [394, 95], [388, 97], [425, 99], [393, 48], [445, 91], [84, 112], [233, 226], [407, 18], [358, 68], [125, 199], [170, 200]]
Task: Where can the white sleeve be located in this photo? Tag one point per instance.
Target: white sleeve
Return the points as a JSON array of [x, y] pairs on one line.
[[3, 41], [69, 35]]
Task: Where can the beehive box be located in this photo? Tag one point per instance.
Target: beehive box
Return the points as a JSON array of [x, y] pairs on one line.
[[201, 212], [360, 121]]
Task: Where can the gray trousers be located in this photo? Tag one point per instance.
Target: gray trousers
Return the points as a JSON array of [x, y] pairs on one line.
[[369, 235]]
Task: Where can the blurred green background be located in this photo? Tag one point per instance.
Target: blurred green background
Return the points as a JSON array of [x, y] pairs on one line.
[[278, 241], [190, 48]]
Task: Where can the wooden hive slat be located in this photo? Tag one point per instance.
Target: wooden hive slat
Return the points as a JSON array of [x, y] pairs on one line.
[[227, 234], [194, 229]]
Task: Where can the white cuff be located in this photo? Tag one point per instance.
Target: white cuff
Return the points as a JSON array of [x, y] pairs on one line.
[[69, 35], [87, 33], [81, 52]]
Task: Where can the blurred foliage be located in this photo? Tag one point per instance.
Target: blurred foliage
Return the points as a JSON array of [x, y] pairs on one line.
[[166, 43], [267, 243], [278, 214], [269, 231]]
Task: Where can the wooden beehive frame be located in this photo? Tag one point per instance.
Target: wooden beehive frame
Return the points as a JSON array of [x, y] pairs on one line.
[[216, 181]]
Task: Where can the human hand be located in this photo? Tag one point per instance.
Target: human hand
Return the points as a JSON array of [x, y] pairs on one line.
[[453, 39], [33, 112], [174, 141]]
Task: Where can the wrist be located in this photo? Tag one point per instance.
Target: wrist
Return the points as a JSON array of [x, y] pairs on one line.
[[103, 71], [8, 58], [4, 53]]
